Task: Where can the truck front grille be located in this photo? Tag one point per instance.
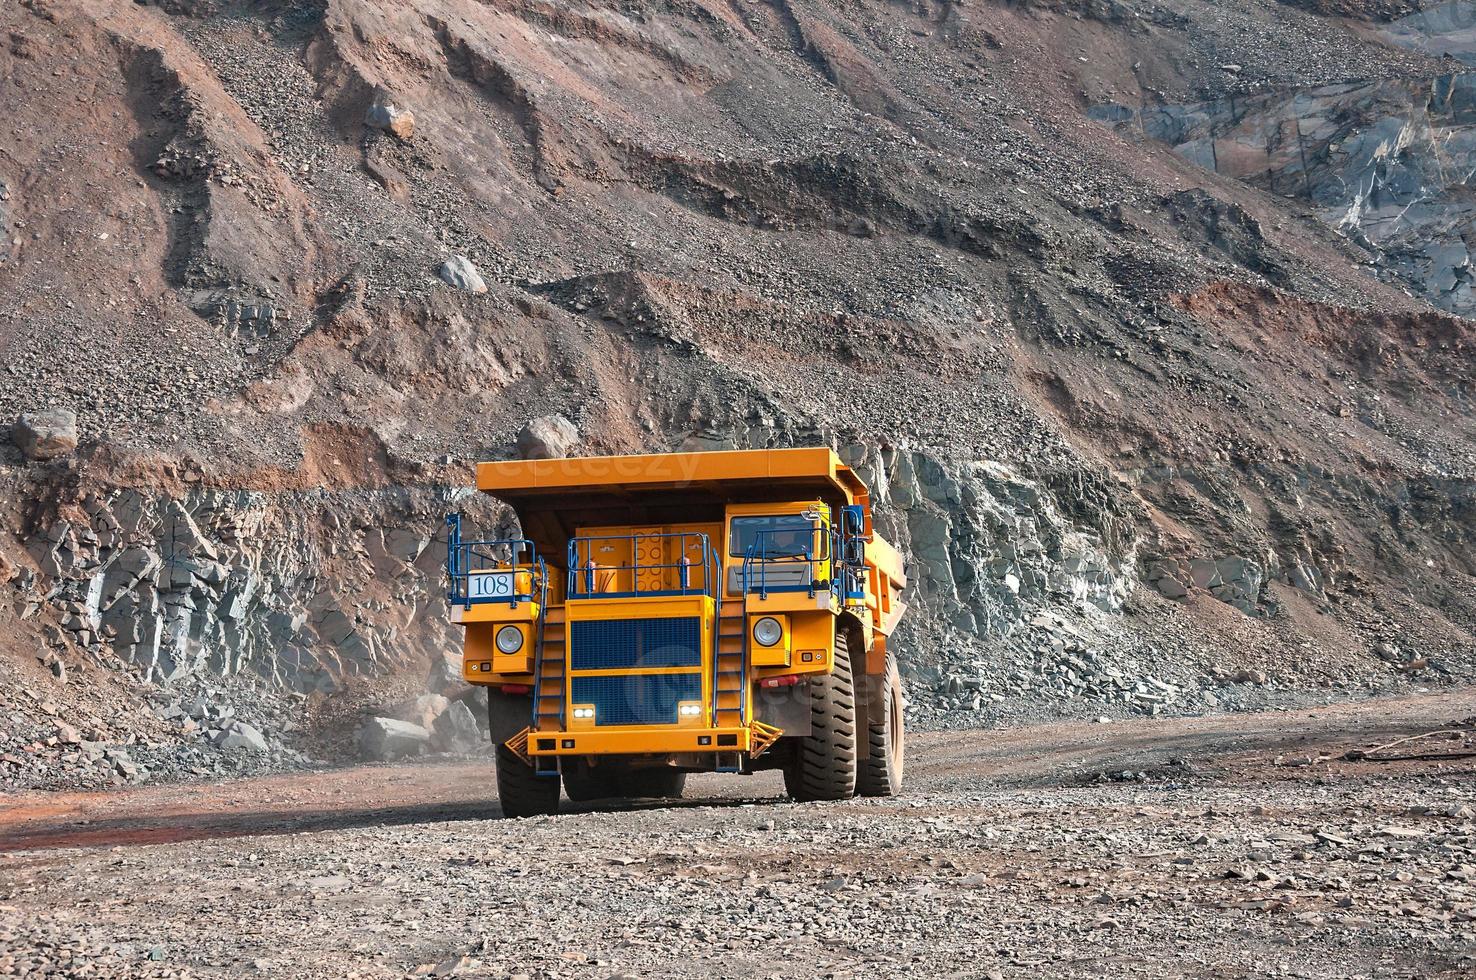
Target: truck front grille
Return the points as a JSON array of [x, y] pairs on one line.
[[634, 644]]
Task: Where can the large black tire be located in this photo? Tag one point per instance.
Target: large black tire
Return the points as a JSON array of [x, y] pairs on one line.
[[583, 783], [824, 763], [660, 783], [881, 771], [520, 791]]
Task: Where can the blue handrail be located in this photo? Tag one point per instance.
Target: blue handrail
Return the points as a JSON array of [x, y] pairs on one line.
[[584, 570], [851, 547], [756, 559], [538, 653], [714, 576], [467, 558]]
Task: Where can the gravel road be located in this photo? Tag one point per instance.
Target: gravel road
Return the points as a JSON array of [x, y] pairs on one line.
[[1222, 846]]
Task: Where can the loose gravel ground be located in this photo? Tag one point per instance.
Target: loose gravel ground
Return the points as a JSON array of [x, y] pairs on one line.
[[1218, 846]]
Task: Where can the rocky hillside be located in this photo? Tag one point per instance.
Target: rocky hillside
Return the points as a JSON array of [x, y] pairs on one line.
[[1137, 314]]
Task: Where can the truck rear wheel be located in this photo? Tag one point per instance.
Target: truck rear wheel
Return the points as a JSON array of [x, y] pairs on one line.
[[520, 791], [881, 773], [583, 783], [661, 783], [824, 763]]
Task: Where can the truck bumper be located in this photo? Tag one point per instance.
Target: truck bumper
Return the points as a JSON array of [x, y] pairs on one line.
[[639, 741]]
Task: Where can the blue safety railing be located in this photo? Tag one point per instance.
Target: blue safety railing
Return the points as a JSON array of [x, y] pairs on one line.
[[588, 578], [538, 657], [760, 560], [843, 549], [520, 572], [852, 552]]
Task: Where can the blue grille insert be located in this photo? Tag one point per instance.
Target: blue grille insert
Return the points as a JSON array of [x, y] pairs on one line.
[[631, 644], [637, 699]]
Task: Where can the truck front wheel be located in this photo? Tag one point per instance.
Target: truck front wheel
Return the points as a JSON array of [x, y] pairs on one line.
[[881, 773], [824, 763], [521, 792]]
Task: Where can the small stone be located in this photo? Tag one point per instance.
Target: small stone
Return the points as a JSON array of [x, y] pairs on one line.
[[48, 434], [547, 437], [453, 967], [459, 271], [384, 114], [1401, 833], [197, 707], [1385, 650]]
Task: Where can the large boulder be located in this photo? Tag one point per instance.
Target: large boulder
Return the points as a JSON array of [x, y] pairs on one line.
[[458, 271], [385, 739], [422, 710], [457, 729], [445, 677], [48, 434], [239, 735], [384, 114], [548, 437]]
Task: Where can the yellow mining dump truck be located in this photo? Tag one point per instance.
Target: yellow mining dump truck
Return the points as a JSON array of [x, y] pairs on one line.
[[689, 612]]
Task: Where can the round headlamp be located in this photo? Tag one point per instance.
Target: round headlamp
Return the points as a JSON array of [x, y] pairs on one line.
[[767, 631], [509, 639]]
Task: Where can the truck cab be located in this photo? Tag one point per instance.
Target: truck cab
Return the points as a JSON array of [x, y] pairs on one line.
[[682, 613]]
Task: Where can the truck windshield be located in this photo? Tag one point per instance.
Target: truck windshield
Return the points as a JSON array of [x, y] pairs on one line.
[[790, 536]]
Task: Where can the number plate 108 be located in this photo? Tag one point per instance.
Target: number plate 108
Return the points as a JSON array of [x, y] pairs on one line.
[[490, 585]]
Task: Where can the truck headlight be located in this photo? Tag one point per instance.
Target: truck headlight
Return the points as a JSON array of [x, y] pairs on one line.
[[509, 639], [768, 631], [689, 709]]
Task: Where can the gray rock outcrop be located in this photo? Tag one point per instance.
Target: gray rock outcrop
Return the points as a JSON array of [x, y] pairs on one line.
[[1384, 162], [1234, 580], [219, 583]]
